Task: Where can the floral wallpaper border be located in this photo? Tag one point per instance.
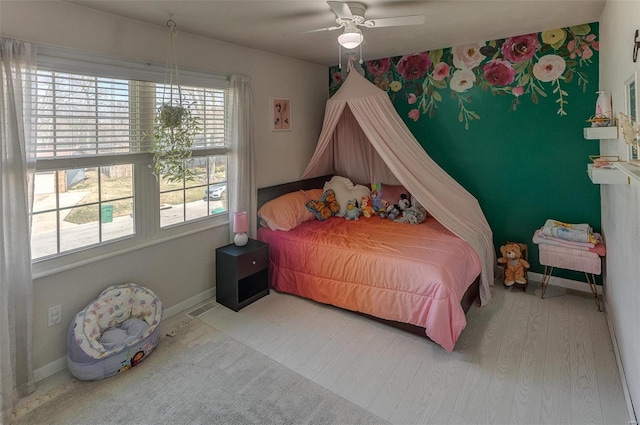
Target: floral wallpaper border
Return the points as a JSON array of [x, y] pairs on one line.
[[534, 65]]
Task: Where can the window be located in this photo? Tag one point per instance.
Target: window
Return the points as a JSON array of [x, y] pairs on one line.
[[94, 185]]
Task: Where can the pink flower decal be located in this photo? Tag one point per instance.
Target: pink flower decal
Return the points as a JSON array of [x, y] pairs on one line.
[[462, 80], [549, 68], [378, 66], [467, 56], [499, 72], [517, 91], [441, 71], [412, 99], [520, 48], [336, 77], [414, 114], [413, 67]]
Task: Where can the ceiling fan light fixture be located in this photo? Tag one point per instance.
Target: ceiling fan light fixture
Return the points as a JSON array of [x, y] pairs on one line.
[[351, 38]]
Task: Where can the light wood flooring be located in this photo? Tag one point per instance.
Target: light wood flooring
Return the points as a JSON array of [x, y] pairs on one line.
[[520, 360]]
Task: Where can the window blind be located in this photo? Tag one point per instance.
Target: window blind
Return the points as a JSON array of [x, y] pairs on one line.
[[80, 114]]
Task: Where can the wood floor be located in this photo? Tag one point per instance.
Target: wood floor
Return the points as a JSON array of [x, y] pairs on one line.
[[520, 360]]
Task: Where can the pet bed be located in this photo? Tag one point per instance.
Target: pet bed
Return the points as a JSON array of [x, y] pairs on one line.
[[114, 332]]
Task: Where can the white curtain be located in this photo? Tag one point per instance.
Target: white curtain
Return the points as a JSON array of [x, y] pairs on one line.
[[17, 166], [240, 177]]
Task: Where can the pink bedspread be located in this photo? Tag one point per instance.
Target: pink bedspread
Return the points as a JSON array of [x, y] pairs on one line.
[[407, 273]]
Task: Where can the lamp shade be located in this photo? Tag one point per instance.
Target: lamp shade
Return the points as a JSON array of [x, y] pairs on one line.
[[351, 39], [240, 222]]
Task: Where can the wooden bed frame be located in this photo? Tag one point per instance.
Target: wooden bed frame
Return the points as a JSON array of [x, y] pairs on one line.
[[268, 193]]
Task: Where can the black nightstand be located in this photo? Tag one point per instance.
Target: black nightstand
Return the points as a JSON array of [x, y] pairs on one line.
[[242, 274]]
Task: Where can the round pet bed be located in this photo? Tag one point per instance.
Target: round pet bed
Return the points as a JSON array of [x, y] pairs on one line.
[[114, 332]]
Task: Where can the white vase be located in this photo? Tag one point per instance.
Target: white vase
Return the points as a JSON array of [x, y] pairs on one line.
[[603, 105]]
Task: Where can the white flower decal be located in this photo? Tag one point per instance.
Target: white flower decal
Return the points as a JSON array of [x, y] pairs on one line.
[[462, 80], [467, 56], [549, 68]]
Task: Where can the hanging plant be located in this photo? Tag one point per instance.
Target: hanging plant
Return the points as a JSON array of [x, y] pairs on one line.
[[175, 127], [173, 139]]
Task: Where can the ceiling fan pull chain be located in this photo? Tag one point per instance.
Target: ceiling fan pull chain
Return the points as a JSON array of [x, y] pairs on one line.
[[339, 56]]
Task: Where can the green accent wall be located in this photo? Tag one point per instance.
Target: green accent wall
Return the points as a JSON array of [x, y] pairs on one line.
[[522, 153]]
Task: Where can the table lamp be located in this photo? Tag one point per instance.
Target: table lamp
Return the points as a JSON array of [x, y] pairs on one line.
[[240, 228]]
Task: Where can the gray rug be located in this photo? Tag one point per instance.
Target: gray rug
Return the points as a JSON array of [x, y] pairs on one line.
[[201, 376]]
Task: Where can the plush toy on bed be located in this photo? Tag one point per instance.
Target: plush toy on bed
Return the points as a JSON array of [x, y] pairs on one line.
[[391, 212], [404, 203], [394, 211], [353, 212], [414, 214], [376, 196], [514, 265], [366, 207]]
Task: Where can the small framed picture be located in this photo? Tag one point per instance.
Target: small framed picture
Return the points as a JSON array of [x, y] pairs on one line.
[[280, 114], [632, 108]]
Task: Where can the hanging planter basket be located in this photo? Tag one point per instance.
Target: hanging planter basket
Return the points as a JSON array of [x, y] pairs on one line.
[[171, 115], [175, 127]]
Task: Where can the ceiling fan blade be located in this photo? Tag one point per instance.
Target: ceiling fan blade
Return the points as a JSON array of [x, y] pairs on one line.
[[341, 9], [394, 22], [320, 29]]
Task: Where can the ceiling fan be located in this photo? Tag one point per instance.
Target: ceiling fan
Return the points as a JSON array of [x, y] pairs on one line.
[[350, 16]]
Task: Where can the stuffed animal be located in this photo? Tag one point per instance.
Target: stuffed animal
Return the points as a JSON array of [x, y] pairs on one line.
[[353, 212], [514, 265], [391, 212], [366, 207], [415, 214], [376, 196], [404, 203]]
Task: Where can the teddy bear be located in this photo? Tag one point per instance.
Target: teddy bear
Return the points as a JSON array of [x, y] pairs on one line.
[[514, 265], [353, 212], [366, 207]]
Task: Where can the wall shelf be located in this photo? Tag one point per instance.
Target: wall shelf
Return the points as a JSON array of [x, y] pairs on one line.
[[591, 133], [600, 175]]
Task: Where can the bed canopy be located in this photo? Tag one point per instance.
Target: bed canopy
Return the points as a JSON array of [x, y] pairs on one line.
[[364, 138]]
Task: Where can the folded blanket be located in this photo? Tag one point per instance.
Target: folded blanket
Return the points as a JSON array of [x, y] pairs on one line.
[[598, 248], [569, 232]]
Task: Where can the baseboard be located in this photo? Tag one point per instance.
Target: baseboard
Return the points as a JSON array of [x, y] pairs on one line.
[[564, 283], [187, 304], [61, 363], [50, 369], [623, 378]]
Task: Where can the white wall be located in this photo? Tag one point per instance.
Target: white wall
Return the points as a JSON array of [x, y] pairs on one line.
[[621, 203], [183, 268]]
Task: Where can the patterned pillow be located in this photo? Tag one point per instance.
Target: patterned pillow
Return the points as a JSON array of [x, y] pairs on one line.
[[326, 207]]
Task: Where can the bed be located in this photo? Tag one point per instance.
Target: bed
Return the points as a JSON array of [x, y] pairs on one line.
[[421, 277]]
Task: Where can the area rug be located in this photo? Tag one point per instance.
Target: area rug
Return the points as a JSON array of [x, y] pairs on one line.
[[200, 376]]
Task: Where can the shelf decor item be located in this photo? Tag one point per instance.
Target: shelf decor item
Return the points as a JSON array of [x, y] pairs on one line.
[[603, 105], [240, 228], [175, 128], [631, 135]]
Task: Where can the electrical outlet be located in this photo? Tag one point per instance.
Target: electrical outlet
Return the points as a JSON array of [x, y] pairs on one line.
[[55, 315]]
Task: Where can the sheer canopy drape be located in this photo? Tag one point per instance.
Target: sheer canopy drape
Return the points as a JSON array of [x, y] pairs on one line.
[[240, 177], [390, 153], [17, 166]]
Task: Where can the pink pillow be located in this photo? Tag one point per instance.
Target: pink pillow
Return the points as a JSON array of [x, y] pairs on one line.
[[288, 211]]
